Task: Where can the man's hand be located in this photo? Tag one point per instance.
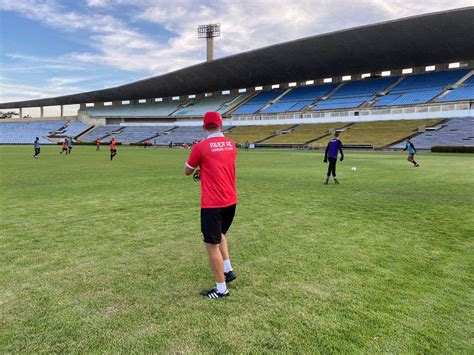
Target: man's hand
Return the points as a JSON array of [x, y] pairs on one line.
[[325, 160], [197, 175], [342, 158]]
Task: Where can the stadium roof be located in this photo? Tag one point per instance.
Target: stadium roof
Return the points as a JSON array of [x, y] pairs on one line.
[[441, 37]]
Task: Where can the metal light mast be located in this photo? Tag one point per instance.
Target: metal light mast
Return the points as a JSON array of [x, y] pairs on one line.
[[209, 32]]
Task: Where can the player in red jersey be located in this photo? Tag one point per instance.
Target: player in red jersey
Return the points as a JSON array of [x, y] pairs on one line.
[[64, 148], [113, 150], [97, 144], [215, 156]]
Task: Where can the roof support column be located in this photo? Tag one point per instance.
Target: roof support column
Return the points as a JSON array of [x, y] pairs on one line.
[[98, 104], [21, 112], [150, 101], [82, 106], [41, 111], [61, 110], [116, 103]]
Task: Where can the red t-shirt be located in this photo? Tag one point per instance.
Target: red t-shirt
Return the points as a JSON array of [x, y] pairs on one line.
[[112, 144], [216, 158]]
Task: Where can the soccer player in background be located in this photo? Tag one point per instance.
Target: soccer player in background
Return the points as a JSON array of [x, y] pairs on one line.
[[333, 148], [64, 147], [113, 150], [97, 144], [37, 147], [215, 156], [411, 152], [69, 145]]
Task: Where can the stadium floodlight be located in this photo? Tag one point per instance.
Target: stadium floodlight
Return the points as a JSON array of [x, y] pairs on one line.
[[209, 32]]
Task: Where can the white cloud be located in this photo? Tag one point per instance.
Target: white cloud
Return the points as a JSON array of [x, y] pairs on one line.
[[245, 24]]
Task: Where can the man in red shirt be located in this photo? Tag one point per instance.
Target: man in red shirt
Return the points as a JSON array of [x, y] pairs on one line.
[[215, 156], [64, 148], [113, 150]]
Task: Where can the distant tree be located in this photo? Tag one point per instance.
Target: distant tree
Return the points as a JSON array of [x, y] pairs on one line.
[[8, 114]]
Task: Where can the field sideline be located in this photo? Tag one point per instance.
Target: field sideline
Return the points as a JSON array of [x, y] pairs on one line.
[[107, 256]]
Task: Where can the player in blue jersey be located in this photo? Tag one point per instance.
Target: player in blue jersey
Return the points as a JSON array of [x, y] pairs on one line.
[[411, 153], [37, 148], [69, 145], [333, 148]]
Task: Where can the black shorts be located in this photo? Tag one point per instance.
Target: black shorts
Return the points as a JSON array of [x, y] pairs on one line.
[[215, 222]]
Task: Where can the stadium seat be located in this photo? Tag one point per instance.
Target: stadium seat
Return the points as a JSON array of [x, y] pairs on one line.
[[379, 134], [420, 88], [455, 132]]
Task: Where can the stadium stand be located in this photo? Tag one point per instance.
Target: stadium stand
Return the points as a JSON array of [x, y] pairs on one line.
[[305, 133], [255, 134], [161, 109], [70, 129], [257, 102], [137, 134], [465, 92], [298, 98], [26, 132], [183, 135], [353, 94], [420, 88], [378, 134], [455, 132], [219, 104], [101, 132]]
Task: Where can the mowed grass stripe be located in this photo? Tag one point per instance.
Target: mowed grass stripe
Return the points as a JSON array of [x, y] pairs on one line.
[[107, 256]]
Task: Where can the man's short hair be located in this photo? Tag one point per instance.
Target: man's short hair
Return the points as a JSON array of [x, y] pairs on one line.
[[336, 134]]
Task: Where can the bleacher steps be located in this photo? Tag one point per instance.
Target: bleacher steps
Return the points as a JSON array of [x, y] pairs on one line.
[[276, 133], [274, 100], [243, 102], [84, 132], [464, 78], [390, 87], [330, 132], [414, 134], [325, 97]]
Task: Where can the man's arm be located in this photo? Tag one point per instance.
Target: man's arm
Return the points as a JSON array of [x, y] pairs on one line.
[[326, 154], [193, 162], [413, 146], [340, 151], [188, 169]]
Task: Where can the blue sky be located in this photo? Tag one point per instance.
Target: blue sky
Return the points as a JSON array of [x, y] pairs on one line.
[[58, 47]]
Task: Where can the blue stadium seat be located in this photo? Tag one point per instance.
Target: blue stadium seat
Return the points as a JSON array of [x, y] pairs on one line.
[[26, 132], [420, 88], [257, 102], [353, 94], [466, 92], [299, 98]]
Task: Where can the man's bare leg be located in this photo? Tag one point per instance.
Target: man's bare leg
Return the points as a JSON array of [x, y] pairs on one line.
[[216, 261], [223, 248]]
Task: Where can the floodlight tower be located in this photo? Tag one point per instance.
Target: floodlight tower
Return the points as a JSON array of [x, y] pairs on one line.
[[209, 32]]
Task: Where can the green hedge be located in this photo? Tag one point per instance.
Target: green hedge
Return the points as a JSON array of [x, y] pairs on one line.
[[450, 149]]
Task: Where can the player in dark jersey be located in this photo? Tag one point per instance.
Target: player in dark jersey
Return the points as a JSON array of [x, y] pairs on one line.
[[411, 153], [37, 148], [333, 148]]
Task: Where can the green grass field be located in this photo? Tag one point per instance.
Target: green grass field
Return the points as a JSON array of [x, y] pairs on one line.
[[107, 256]]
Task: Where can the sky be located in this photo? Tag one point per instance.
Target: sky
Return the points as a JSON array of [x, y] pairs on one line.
[[57, 47]]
